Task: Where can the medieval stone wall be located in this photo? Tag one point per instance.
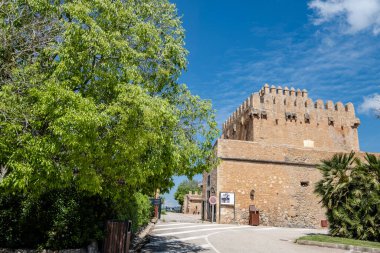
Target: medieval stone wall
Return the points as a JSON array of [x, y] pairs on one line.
[[269, 151], [279, 194], [282, 116], [282, 178], [192, 203]]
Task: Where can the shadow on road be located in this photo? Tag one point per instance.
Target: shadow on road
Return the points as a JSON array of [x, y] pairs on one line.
[[170, 244]]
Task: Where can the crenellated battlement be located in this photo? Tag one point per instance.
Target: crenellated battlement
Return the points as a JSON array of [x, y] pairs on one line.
[[274, 114]]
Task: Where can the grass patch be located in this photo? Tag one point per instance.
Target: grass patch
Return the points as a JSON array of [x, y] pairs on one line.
[[340, 240]]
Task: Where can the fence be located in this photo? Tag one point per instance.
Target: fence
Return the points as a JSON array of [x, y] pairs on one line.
[[118, 237]]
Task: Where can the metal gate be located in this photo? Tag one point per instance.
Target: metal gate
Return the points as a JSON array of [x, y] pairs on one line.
[[118, 237]]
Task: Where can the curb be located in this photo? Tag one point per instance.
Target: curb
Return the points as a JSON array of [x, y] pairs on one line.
[[339, 246], [142, 238]]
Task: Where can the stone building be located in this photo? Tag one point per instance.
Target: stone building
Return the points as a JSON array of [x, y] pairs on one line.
[[192, 203], [269, 150]]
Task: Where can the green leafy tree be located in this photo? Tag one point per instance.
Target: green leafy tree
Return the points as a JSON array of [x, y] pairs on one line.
[[90, 101], [350, 191], [184, 188], [90, 96]]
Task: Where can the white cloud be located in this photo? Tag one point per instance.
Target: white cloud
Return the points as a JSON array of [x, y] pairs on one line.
[[329, 66], [352, 15], [371, 104]]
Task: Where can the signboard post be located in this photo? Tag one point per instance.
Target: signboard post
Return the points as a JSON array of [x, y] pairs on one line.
[[157, 207], [227, 199], [212, 201]]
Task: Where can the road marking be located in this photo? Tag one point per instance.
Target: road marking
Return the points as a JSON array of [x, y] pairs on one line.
[[173, 224], [264, 229], [233, 230], [177, 240], [157, 243], [186, 238], [196, 248], [209, 243], [161, 229], [200, 230]]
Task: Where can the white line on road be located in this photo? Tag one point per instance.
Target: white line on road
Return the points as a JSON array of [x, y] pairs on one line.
[[172, 224], [234, 230], [157, 243], [210, 225], [200, 230], [180, 240], [190, 238], [183, 251], [211, 246], [186, 238]]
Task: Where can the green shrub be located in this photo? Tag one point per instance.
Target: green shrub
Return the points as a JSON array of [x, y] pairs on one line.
[[138, 209], [55, 220], [64, 219], [350, 191], [10, 213]]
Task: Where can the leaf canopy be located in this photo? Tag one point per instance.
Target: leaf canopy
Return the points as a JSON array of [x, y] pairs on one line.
[[90, 96]]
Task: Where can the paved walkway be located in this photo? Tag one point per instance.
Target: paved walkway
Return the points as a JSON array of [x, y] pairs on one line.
[[218, 238]]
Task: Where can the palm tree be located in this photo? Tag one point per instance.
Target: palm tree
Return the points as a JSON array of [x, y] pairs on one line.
[[332, 188], [349, 190], [367, 182]]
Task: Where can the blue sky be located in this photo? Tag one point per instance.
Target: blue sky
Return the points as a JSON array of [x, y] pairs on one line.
[[331, 48]]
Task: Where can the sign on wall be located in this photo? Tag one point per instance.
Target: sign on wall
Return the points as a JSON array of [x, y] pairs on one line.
[[227, 198]]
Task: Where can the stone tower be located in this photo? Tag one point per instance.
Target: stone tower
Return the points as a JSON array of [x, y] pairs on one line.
[[269, 151], [277, 115]]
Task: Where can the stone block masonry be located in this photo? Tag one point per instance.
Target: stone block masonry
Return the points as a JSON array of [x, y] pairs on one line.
[[282, 116], [281, 178], [192, 203], [269, 151]]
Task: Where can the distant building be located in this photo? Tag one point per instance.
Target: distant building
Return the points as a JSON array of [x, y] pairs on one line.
[[192, 203], [269, 150]]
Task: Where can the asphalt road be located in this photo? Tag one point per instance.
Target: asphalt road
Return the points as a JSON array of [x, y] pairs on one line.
[[180, 217], [219, 238]]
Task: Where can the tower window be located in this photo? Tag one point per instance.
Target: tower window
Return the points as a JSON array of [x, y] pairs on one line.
[[307, 118], [252, 195], [331, 121]]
